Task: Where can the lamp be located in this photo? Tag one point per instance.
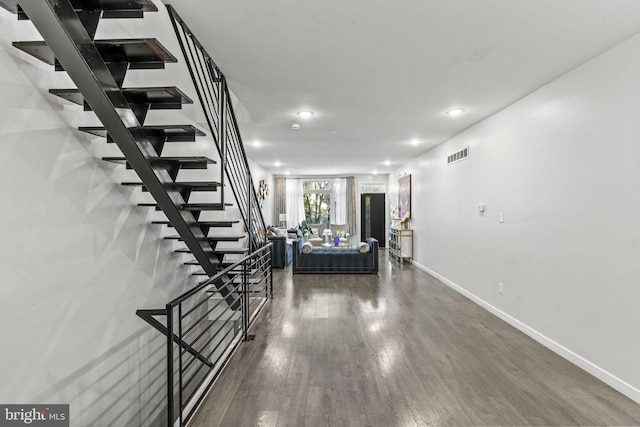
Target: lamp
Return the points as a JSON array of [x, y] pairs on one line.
[[283, 219]]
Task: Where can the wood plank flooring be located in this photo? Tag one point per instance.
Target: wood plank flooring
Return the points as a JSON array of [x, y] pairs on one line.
[[398, 349]]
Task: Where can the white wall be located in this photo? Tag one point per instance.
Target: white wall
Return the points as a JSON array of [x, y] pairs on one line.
[[563, 164], [259, 173], [78, 257]]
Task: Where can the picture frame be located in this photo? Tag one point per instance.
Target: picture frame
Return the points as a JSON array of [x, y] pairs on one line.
[[263, 192], [404, 196]]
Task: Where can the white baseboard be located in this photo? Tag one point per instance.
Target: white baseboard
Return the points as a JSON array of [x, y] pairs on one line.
[[604, 376]]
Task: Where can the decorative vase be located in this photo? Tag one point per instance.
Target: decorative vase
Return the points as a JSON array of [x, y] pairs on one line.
[[336, 240]]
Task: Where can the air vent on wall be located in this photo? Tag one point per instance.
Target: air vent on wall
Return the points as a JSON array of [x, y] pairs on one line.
[[457, 156]]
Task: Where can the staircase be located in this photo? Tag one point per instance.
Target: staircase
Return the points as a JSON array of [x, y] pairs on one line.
[[98, 68], [204, 325]]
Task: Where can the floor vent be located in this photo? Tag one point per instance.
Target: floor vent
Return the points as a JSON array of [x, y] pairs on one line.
[[457, 156]]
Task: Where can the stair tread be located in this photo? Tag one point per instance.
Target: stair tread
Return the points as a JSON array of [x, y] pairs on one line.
[[121, 5], [157, 97], [222, 223], [225, 264], [238, 251], [205, 206], [193, 206], [185, 183], [195, 186], [194, 162], [137, 51], [110, 6], [173, 133], [210, 238]]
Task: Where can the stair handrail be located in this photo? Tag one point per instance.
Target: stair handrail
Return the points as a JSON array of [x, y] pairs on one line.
[[181, 403], [214, 95]]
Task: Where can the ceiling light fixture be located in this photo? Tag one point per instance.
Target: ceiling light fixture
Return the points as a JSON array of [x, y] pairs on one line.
[[257, 143], [305, 114], [414, 141], [387, 162], [455, 112], [295, 126], [277, 164], [286, 172], [375, 172]]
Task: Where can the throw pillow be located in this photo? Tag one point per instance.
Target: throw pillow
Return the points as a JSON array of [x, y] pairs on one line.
[[282, 232], [363, 247], [307, 247]]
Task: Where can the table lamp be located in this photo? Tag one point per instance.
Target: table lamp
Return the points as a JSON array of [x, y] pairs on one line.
[[283, 220]]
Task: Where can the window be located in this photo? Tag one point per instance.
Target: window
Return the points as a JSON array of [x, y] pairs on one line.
[[373, 188], [317, 201]]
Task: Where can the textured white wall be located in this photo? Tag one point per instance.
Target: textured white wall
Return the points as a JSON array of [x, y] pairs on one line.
[[563, 164], [259, 173], [78, 257]]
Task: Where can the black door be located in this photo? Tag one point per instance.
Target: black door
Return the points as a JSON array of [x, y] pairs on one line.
[[372, 220]]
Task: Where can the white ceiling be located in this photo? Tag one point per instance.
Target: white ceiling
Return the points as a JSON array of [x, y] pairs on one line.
[[378, 73]]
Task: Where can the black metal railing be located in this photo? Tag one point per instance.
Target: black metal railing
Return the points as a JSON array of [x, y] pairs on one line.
[[213, 93], [202, 329]]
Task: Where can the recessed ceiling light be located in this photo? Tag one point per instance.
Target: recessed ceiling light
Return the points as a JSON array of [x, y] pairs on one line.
[[455, 112], [257, 143], [286, 173], [375, 172], [333, 132], [295, 126], [277, 164], [305, 114], [387, 162], [414, 141]]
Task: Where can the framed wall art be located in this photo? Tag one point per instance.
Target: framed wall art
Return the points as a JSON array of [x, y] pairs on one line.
[[263, 192], [404, 196]]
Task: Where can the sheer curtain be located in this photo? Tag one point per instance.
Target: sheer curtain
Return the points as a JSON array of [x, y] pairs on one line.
[[340, 193], [294, 202], [351, 204], [281, 197]]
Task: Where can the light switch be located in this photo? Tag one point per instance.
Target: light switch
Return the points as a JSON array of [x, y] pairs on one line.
[[501, 216]]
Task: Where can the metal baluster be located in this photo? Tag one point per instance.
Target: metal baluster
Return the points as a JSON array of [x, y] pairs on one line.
[[245, 303], [170, 413]]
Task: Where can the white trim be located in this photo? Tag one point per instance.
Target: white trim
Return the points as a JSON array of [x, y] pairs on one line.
[[608, 378]]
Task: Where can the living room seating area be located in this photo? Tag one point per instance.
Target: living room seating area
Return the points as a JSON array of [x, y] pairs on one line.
[[319, 235], [309, 259]]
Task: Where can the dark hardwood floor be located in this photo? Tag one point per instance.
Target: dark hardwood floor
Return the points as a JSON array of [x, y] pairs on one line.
[[398, 349]]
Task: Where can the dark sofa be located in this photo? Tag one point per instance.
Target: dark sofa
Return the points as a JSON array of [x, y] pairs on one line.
[[335, 260], [282, 253]]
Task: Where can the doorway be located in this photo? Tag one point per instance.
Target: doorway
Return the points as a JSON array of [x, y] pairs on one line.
[[372, 217]]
